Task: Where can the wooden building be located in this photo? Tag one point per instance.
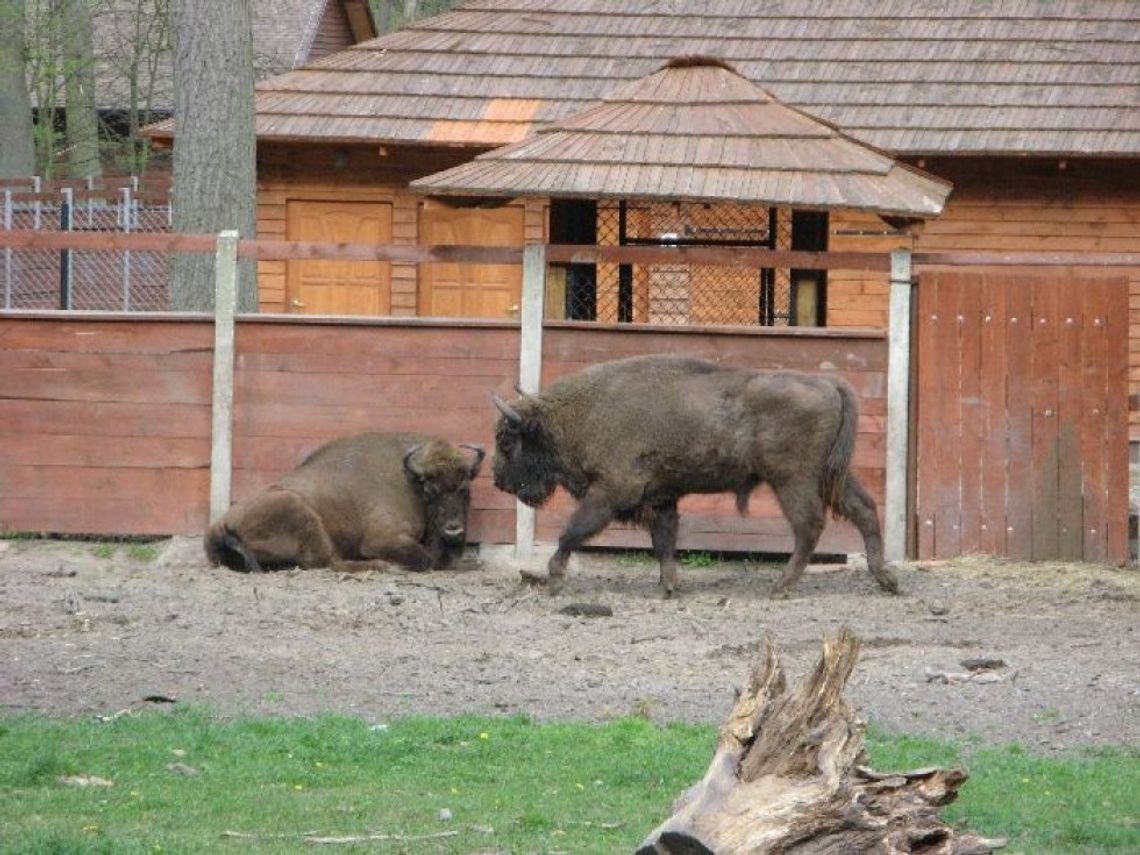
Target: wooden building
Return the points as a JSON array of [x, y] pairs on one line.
[[1029, 108]]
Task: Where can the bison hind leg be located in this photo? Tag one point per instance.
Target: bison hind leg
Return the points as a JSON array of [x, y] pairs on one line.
[[804, 510], [856, 504]]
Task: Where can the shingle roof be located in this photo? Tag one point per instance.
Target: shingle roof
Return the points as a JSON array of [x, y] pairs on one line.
[[696, 130], [909, 76]]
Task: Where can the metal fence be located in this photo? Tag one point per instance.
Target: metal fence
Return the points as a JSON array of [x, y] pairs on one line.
[[109, 280]]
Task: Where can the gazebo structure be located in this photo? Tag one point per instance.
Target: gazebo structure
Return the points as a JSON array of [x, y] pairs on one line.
[[693, 154]]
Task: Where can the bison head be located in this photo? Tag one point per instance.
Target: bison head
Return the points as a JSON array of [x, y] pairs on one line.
[[526, 464], [443, 477]]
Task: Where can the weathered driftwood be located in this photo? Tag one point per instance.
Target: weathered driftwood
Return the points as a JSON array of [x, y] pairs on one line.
[[788, 776]]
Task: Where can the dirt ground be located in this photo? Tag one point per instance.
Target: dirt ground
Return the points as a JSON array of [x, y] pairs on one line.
[[84, 632]]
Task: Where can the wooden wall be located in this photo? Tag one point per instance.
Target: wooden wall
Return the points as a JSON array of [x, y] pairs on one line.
[[106, 423], [1005, 206], [711, 522], [356, 174]]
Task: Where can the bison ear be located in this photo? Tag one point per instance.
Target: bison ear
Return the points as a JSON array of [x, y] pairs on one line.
[[412, 463], [473, 470]]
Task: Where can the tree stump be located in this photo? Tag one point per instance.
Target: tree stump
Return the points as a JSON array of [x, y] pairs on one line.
[[788, 775]]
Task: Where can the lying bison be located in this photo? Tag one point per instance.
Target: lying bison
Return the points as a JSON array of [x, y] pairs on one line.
[[629, 438], [352, 504]]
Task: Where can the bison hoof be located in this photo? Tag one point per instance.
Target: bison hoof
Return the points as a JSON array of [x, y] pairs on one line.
[[552, 584], [887, 580], [780, 591]]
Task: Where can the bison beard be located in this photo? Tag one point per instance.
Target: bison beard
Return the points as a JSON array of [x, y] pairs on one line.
[[629, 438]]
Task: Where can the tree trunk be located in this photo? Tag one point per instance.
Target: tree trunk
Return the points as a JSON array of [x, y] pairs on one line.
[[79, 89], [787, 776], [17, 146], [214, 145]]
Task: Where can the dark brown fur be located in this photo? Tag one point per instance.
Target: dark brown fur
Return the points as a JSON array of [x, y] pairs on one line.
[[355, 502], [629, 438]]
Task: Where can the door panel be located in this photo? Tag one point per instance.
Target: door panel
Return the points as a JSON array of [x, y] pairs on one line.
[[470, 290], [332, 286]]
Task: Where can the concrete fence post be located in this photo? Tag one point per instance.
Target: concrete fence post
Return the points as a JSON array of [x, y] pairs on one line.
[[898, 407], [221, 441], [531, 313]]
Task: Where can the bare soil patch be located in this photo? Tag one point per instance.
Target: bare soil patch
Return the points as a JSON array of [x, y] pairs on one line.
[[86, 633]]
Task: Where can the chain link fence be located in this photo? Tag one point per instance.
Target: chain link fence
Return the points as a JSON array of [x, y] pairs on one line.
[[108, 280], [682, 294]]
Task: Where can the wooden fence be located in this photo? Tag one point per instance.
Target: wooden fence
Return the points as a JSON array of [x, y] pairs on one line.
[[106, 426], [106, 422]]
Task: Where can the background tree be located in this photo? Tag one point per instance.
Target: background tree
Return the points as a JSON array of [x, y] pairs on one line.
[[17, 151], [214, 145], [78, 66]]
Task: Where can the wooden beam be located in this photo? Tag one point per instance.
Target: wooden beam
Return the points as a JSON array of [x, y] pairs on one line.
[[530, 367], [225, 302], [898, 407], [728, 256]]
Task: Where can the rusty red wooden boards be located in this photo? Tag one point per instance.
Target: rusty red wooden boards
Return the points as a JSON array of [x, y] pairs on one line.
[[105, 425], [1022, 434]]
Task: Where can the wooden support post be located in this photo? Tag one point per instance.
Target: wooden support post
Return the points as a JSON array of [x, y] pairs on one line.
[[530, 366], [225, 300], [898, 407]]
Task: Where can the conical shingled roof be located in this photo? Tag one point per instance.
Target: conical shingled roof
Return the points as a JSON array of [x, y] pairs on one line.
[[696, 130]]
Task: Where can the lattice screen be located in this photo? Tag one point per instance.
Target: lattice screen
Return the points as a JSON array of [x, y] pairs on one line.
[[684, 294]]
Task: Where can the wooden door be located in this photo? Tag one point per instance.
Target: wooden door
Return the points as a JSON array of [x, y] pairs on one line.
[[332, 286], [1022, 422], [470, 290]]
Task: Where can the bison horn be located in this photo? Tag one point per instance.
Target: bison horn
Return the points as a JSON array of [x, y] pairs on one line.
[[526, 396], [479, 455], [511, 414], [412, 467]]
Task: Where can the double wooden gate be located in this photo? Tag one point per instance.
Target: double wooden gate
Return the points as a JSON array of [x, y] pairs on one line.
[[1021, 419]]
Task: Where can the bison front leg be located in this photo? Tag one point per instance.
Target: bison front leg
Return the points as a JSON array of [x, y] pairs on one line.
[[803, 508], [594, 513], [396, 548], [662, 522]]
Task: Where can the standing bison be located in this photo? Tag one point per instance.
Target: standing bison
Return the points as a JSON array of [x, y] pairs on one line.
[[354, 503], [629, 438]]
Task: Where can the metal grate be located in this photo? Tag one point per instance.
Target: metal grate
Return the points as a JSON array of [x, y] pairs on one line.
[[108, 280], [671, 294]]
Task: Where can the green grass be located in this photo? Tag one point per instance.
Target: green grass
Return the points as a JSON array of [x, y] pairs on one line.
[[511, 785]]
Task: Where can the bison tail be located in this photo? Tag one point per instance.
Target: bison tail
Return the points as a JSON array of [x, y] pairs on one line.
[[838, 462], [225, 546]]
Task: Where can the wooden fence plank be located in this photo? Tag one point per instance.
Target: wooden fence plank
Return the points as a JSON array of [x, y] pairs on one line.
[[927, 427], [995, 426], [948, 523], [1044, 382], [1095, 408], [1019, 328], [1070, 415], [970, 414], [1116, 434]]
